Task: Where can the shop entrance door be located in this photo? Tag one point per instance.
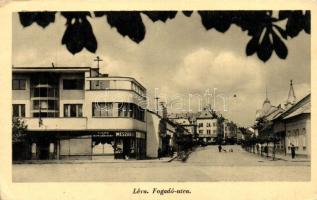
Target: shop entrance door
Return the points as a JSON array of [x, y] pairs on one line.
[[43, 148], [126, 147]]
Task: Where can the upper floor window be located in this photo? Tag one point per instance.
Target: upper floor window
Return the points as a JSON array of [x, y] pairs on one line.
[[73, 84], [99, 84], [102, 109], [125, 110], [208, 132], [18, 110], [73, 110], [208, 125], [214, 124], [18, 84], [201, 131], [200, 125]]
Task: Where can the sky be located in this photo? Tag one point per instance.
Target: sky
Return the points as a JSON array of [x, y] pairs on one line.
[[178, 61]]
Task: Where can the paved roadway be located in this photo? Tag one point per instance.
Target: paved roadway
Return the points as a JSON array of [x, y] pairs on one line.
[[205, 164]]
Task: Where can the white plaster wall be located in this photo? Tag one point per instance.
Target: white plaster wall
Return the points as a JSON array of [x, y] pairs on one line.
[[152, 137], [299, 124]]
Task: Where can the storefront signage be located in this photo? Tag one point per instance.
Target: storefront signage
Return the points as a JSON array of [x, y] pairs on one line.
[[103, 134], [125, 134]]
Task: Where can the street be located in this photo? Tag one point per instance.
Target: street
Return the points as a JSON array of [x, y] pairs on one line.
[[205, 164]]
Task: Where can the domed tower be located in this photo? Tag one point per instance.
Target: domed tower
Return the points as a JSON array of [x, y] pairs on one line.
[[291, 99]]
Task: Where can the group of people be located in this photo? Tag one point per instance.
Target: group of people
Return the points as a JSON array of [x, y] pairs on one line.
[[293, 149], [221, 149]]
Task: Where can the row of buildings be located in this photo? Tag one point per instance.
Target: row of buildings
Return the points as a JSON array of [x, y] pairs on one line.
[[79, 113], [209, 126], [286, 125]]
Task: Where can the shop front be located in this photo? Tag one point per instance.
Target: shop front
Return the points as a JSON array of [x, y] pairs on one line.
[[118, 145]]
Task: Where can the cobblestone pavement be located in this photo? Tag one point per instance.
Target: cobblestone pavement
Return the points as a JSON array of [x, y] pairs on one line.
[[205, 164]]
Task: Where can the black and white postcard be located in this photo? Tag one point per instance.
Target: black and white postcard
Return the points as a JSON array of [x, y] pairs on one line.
[[169, 102]]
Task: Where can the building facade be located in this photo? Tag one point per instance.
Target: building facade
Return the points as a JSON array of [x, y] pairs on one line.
[[160, 135], [79, 113], [207, 126], [297, 127]]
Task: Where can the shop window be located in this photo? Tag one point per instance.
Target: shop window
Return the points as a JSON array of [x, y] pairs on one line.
[[73, 84], [102, 109], [18, 84], [73, 110], [18, 110]]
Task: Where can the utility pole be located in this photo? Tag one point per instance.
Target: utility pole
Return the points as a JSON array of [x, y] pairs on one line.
[[157, 98]]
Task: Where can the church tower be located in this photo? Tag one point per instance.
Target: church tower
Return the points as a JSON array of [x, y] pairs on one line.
[[266, 104], [291, 99]]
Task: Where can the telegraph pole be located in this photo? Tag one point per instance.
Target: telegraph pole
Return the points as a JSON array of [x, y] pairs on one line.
[[157, 98]]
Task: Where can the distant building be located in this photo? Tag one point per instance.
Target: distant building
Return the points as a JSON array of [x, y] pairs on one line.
[[207, 126], [230, 131], [186, 120]]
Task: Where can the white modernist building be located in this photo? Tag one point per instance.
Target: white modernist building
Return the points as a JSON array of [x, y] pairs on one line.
[[76, 112]]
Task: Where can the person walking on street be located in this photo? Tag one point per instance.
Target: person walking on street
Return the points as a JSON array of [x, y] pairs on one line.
[[219, 148], [293, 151], [159, 152]]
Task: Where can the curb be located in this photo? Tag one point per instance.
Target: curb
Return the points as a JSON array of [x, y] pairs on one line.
[[89, 162], [279, 158]]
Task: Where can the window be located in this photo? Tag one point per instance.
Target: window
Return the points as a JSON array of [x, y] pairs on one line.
[[124, 110], [208, 125], [214, 131], [73, 110], [18, 110], [208, 132], [18, 84], [214, 124], [73, 84], [201, 131], [200, 125], [99, 84], [102, 109]]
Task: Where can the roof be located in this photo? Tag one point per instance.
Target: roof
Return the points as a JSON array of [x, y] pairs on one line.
[[303, 109], [207, 114], [50, 69], [274, 113]]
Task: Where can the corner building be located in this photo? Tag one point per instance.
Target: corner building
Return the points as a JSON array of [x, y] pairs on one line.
[[78, 113]]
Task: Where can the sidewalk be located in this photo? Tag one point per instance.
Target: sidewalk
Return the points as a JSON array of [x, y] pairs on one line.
[[284, 157], [156, 160]]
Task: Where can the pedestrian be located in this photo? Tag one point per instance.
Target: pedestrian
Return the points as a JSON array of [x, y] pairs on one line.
[[293, 151], [159, 152], [219, 148], [257, 148]]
